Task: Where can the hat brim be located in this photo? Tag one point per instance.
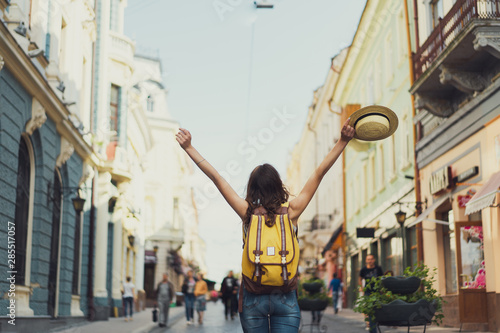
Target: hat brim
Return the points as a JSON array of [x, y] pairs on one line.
[[374, 110]]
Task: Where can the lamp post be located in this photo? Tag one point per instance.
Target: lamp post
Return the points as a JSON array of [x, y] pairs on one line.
[[401, 218]]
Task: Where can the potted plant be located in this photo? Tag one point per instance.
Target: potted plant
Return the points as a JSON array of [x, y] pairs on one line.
[[410, 300], [312, 295]]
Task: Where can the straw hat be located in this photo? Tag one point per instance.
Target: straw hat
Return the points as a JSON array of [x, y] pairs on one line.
[[374, 122]]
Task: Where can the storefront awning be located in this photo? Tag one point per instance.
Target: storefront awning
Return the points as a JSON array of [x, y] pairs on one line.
[[485, 196], [429, 210], [332, 240]]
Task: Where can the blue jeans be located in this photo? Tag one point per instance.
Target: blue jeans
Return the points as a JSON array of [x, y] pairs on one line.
[[128, 304], [335, 296], [189, 299], [276, 313]]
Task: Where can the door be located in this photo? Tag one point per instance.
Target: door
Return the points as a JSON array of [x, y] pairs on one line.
[[471, 272]]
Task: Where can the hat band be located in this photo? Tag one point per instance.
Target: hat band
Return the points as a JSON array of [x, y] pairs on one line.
[[371, 114]]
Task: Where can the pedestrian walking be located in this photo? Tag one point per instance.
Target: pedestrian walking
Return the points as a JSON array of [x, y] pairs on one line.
[[188, 291], [128, 294], [164, 295], [336, 288], [371, 270], [229, 293], [200, 292], [263, 310]]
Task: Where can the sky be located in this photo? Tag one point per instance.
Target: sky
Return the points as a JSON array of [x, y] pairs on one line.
[[241, 80]]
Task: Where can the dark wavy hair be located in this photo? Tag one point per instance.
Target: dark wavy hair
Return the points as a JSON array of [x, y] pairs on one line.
[[265, 189]]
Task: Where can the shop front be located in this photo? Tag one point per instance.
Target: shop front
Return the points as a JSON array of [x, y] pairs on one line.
[[460, 229]]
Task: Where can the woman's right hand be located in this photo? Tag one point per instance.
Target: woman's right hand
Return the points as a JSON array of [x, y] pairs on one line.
[[184, 138]]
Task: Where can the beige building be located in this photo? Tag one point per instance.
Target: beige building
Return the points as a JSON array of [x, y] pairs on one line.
[[324, 216], [457, 94]]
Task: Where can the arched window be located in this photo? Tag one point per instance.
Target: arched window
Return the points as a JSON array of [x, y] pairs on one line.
[[54, 243], [22, 209]]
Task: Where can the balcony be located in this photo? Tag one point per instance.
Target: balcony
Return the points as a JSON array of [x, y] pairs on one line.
[[319, 222], [122, 49], [456, 59], [456, 72]]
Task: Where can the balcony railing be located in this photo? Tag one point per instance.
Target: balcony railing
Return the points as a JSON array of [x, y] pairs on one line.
[[319, 222], [459, 16]]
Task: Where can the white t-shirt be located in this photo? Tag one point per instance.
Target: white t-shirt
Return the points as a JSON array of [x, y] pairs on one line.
[[128, 289]]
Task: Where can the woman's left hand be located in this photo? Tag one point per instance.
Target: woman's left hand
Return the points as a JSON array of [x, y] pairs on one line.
[[184, 138], [347, 132]]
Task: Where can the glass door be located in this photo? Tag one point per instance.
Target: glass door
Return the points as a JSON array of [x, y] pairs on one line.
[[471, 271]]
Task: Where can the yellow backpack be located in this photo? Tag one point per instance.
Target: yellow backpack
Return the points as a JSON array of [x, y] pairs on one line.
[[270, 254]]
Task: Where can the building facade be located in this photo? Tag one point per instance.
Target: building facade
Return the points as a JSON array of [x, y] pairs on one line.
[[46, 158], [378, 175], [322, 222], [456, 90]]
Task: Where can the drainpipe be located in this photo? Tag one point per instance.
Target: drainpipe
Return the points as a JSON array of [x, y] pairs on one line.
[[420, 244]]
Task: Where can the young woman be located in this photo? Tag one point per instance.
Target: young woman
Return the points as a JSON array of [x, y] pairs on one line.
[[266, 189], [200, 292]]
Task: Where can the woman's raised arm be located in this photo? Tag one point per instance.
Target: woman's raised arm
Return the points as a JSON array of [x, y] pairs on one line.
[[299, 204], [239, 205]]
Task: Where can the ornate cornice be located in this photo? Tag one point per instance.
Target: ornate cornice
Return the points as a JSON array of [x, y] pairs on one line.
[[2, 62]]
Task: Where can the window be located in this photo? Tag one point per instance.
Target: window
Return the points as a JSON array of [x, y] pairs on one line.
[[373, 176], [75, 290], [389, 59], [391, 248], [150, 104], [392, 157], [378, 76], [406, 141], [381, 169], [412, 254], [63, 44], [350, 199], [371, 89], [357, 194], [437, 12], [402, 41], [54, 244], [113, 15], [366, 184], [114, 110], [22, 210]]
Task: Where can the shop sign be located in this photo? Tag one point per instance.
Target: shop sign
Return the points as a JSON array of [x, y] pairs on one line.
[[365, 232], [467, 174], [440, 180]]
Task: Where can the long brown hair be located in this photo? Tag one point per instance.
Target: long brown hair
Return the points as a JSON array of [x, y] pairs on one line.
[[265, 189]]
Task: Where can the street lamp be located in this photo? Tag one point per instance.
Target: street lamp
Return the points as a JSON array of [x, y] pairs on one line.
[[401, 218], [78, 203]]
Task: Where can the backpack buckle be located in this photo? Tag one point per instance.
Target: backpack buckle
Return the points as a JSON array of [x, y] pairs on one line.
[[283, 260], [257, 259]]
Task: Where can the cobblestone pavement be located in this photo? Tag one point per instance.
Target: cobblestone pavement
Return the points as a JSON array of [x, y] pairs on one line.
[[346, 321]]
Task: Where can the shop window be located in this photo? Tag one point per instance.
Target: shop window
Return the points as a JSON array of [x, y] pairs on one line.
[[412, 254], [392, 254], [449, 247]]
